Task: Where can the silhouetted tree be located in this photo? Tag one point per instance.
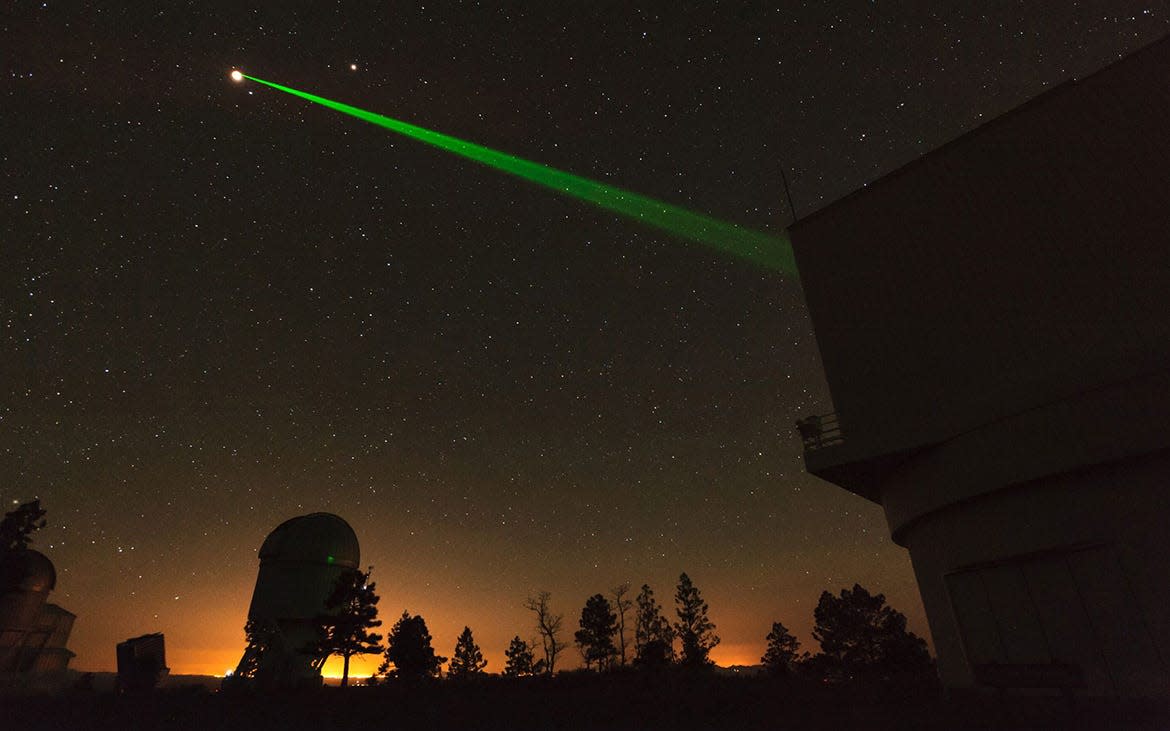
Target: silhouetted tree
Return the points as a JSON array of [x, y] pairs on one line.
[[549, 627], [653, 635], [16, 529], [467, 661], [409, 650], [595, 638], [519, 662], [18, 525], [780, 657], [260, 637], [351, 611], [622, 605], [695, 631], [862, 637]]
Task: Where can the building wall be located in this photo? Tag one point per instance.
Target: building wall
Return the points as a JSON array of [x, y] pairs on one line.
[[1066, 569], [59, 622], [994, 322], [300, 562], [19, 611], [1116, 422], [1021, 264], [289, 595]]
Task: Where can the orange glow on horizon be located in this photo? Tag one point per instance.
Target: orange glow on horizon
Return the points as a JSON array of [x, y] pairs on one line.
[[191, 661], [202, 616]]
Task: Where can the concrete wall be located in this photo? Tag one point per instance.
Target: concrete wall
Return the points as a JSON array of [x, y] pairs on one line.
[[1022, 263], [18, 623], [1069, 569], [300, 562], [994, 322]]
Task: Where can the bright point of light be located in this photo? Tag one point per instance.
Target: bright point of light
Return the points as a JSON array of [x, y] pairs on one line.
[[353, 67], [237, 75]]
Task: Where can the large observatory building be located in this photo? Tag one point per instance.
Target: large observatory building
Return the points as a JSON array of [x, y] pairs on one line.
[[994, 322], [299, 564], [33, 630]]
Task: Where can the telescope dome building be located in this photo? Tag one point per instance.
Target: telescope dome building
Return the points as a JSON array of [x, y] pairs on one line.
[[994, 323], [300, 562], [33, 632]]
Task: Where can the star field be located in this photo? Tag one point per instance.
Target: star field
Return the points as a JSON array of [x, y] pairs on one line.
[[221, 307]]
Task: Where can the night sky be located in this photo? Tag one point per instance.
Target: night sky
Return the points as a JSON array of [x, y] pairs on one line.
[[222, 306]]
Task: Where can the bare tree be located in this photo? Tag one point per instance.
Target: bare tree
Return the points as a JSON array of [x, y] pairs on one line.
[[621, 604], [549, 627]]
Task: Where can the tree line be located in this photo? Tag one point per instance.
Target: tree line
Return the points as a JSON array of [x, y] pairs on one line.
[[860, 637]]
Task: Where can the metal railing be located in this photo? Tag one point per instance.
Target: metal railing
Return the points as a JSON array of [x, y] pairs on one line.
[[820, 431]]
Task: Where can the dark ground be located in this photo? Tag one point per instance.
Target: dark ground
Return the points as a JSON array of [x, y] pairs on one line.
[[577, 702]]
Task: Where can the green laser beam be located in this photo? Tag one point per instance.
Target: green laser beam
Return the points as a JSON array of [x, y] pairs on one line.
[[768, 250]]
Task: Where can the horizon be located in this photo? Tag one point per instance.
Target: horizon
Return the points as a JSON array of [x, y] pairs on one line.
[[228, 306]]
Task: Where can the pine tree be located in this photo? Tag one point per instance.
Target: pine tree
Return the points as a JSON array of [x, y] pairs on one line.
[[653, 635], [862, 637], [409, 650], [519, 655], [16, 529], [468, 660], [351, 611], [595, 638], [780, 656], [695, 631], [18, 525]]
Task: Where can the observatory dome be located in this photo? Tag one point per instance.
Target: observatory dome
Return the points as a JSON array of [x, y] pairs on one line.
[[37, 570], [322, 538]]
